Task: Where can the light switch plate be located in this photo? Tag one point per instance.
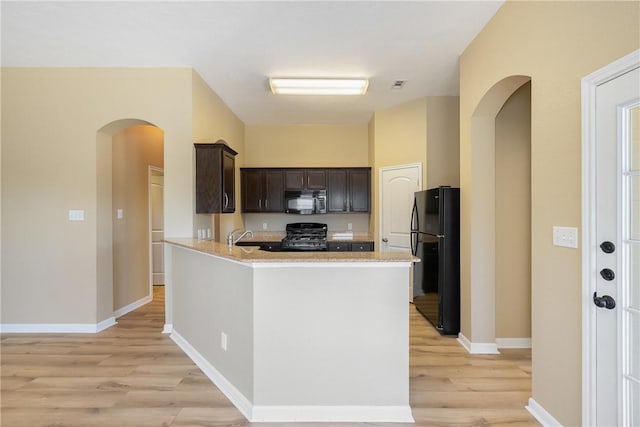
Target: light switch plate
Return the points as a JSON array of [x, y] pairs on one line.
[[76, 215], [565, 236], [119, 214]]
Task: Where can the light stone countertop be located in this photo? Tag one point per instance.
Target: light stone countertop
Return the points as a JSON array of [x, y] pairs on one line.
[[276, 236], [253, 254]]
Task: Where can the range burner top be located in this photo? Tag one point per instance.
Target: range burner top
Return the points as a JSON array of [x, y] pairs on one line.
[[305, 236]]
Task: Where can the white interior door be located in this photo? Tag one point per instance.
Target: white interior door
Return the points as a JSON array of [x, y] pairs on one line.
[[616, 275], [157, 226], [397, 185]]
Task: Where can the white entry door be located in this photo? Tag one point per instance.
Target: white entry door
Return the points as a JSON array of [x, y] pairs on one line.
[[615, 251], [397, 185]]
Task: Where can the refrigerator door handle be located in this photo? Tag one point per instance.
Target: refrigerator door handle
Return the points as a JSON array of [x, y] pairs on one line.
[[414, 243], [415, 226]]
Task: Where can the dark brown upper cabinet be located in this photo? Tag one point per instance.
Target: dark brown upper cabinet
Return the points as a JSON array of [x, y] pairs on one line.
[[215, 178], [348, 190], [337, 190], [359, 190], [305, 179], [262, 190]]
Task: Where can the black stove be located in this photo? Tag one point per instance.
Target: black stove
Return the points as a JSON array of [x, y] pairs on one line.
[[305, 236]]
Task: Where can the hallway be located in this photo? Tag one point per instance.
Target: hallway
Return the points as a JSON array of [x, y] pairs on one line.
[[133, 375]]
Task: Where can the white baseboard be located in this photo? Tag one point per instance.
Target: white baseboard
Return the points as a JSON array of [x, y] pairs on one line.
[[477, 347], [400, 414], [540, 414], [107, 323], [168, 328], [343, 414], [134, 305], [513, 342], [228, 389], [56, 328]]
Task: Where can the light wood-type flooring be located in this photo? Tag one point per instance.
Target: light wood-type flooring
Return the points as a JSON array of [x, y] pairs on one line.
[[133, 375]]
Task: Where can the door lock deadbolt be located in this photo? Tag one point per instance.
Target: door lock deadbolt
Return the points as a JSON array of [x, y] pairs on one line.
[[607, 247], [607, 274]]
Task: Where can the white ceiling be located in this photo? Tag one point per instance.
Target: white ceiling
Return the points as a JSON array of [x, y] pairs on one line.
[[236, 45]]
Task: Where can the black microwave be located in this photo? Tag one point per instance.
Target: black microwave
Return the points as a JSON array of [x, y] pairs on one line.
[[305, 202]]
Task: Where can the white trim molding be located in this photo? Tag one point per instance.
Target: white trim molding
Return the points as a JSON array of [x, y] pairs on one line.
[[589, 85], [343, 414], [228, 389], [477, 347], [168, 328], [540, 414], [56, 328], [133, 306], [513, 342], [301, 413]]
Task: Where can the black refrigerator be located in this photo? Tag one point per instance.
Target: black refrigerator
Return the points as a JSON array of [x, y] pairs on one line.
[[435, 239]]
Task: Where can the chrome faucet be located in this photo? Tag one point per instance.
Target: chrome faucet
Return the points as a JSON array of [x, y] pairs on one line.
[[231, 241]]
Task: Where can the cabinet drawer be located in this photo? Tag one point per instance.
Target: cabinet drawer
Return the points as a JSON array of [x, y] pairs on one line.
[[339, 246], [362, 246], [271, 246]]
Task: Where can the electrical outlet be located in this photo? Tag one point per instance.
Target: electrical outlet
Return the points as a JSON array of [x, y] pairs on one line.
[[223, 341], [349, 226], [119, 214], [565, 236], [264, 225]]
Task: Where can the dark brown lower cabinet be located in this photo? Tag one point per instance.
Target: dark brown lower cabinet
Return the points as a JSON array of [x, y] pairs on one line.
[[342, 246]]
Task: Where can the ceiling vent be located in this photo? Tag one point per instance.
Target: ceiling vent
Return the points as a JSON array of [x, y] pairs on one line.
[[398, 84]]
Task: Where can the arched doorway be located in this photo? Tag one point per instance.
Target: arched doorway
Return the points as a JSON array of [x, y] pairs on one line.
[[124, 149], [479, 222]]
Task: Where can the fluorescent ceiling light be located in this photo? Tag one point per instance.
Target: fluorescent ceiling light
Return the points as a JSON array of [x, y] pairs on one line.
[[318, 86]]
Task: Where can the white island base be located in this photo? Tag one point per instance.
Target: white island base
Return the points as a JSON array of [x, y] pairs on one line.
[[295, 340]]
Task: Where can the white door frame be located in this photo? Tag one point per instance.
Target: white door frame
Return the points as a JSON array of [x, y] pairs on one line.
[[380, 187], [150, 171], [589, 85]]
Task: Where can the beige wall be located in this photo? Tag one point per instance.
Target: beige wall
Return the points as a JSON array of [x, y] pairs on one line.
[[212, 121], [513, 216], [134, 150], [555, 43], [306, 146], [424, 131], [399, 138], [371, 141], [443, 141], [57, 127]]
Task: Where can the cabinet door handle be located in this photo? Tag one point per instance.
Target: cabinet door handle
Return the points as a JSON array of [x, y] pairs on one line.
[[260, 204], [226, 200], [266, 203]]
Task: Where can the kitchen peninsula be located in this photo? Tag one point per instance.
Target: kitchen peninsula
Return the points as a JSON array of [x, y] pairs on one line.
[[295, 336]]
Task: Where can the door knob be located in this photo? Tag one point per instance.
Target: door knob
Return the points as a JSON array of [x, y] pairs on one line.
[[607, 274], [385, 240], [607, 247], [604, 301]]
